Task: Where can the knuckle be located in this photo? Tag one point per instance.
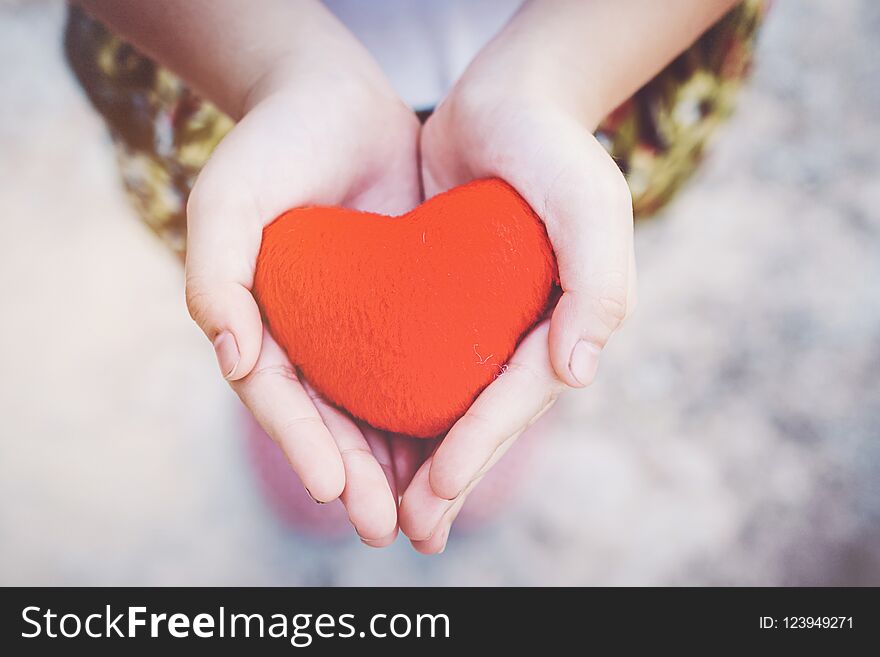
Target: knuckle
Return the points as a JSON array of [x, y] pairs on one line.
[[196, 298], [199, 304], [281, 370], [613, 309], [608, 300]]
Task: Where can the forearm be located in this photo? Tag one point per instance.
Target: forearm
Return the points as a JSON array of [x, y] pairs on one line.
[[594, 54], [227, 49]]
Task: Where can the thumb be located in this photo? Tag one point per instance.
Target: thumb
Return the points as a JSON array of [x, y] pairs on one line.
[[586, 206], [228, 314], [593, 231], [221, 250]]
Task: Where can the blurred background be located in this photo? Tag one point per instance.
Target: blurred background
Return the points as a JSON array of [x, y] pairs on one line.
[[733, 436]]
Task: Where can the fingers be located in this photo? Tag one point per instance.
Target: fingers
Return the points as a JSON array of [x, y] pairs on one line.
[[430, 505], [477, 441], [422, 510], [512, 402], [381, 450], [436, 542], [427, 519], [281, 405], [370, 494], [588, 214]]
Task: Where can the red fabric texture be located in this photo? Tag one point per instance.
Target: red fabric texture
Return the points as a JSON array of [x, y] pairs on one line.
[[403, 321]]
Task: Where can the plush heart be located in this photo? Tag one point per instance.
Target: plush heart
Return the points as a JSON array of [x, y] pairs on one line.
[[402, 321]]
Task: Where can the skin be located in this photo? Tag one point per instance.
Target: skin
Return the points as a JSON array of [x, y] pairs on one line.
[[320, 124], [525, 110]]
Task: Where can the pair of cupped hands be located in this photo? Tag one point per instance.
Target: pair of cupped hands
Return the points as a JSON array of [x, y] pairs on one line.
[[330, 132]]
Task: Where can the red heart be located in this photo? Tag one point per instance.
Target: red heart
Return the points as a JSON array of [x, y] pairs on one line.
[[402, 321]]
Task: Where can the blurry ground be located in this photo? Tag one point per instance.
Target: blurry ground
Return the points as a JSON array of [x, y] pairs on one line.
[[732, 436]]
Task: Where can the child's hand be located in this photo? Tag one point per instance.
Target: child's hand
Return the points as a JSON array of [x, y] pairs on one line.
[[534, 142], [321, 130], [525, 111]]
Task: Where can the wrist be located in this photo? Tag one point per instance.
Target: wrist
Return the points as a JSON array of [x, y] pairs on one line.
[[317, 56], [333, 74], [519, 71]]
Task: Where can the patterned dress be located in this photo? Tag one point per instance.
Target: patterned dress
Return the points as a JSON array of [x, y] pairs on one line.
[[164, 133]]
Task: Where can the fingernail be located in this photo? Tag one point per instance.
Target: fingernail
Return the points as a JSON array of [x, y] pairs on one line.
[[314, 499], [227, 353], [373, 542], [584, 362]]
